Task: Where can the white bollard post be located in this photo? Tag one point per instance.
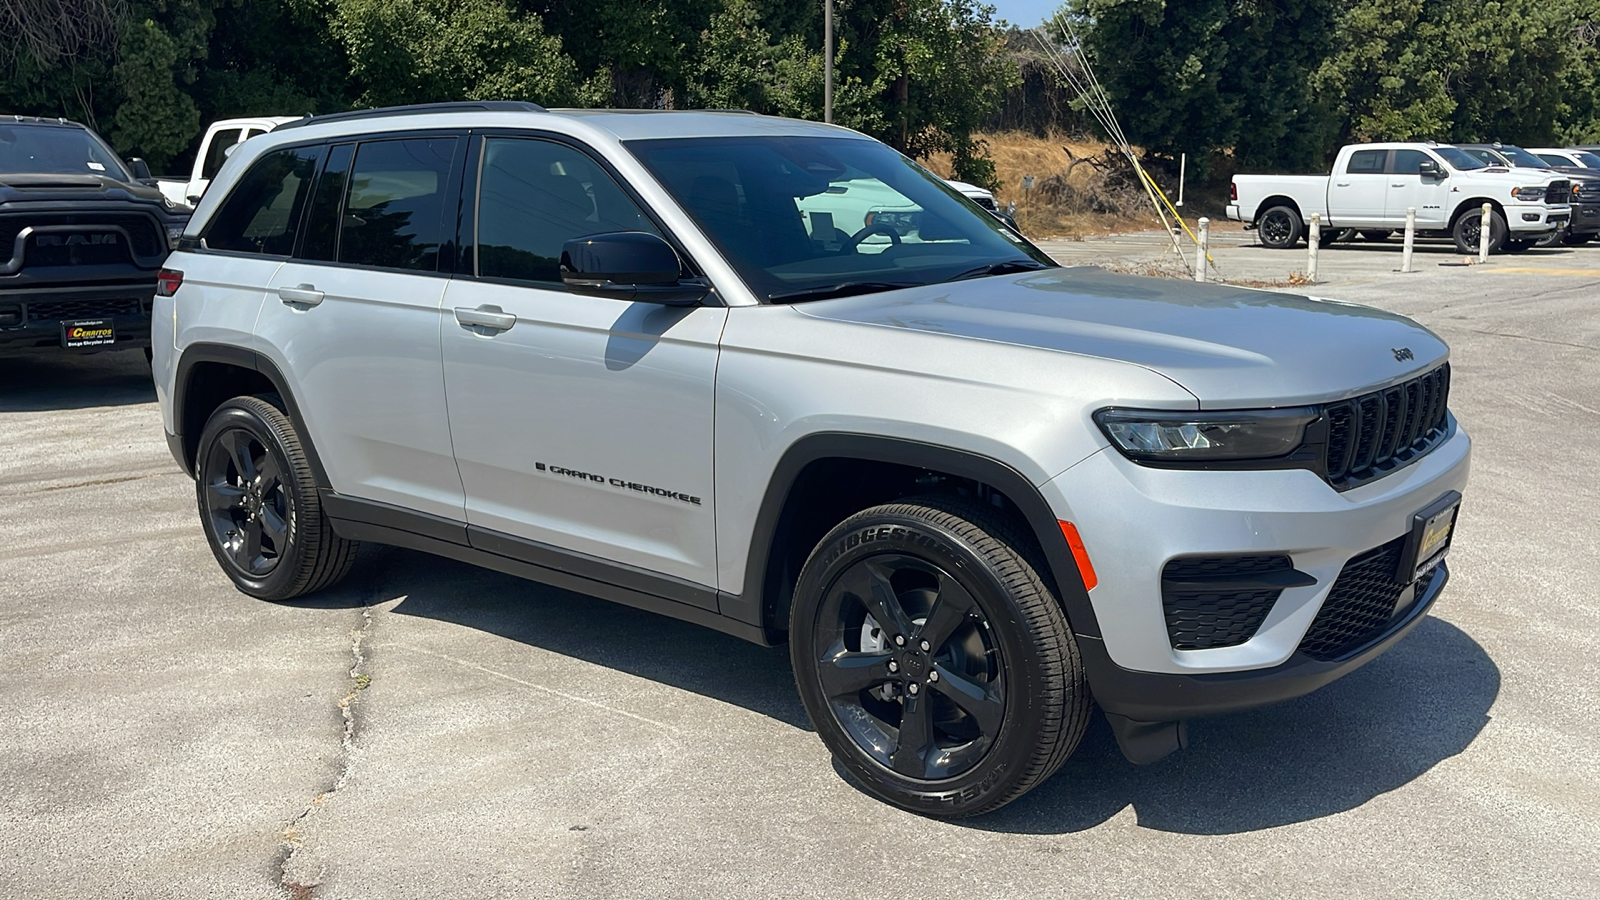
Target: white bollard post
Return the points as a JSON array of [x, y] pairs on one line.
[[1483, 234], [1411, 238], [1313, 241], [1200, 250]]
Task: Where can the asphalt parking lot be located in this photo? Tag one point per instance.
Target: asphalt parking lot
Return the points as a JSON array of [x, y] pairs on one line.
[[429, 730]]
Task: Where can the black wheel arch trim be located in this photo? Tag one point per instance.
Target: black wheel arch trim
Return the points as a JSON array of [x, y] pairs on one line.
[[244, 358], [754, 604]]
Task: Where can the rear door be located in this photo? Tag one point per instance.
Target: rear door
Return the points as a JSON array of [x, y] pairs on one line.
[[1409, 188], [583, 425], [355, 317], [1356, 196]]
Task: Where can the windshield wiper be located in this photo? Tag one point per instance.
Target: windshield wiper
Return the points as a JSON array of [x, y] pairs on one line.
[[1000, 268], [844, 289]]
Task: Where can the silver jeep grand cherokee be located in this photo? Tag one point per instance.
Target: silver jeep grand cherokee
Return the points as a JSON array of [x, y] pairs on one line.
[[772, 377]]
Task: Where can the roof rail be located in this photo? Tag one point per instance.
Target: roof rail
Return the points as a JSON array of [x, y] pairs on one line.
[[419, 109]]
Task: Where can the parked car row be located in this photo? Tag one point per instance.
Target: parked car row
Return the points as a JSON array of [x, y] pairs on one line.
[[1533, 200]]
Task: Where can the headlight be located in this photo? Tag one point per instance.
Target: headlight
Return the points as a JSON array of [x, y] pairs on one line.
[[1162, 436], [174, 232], [1528, 194]]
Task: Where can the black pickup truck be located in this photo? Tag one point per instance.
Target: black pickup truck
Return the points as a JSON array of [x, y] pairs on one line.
[[82, 238]]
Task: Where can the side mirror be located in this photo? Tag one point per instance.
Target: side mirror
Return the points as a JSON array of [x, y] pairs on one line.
[[141, 169], [627, 265], [1429, 169]]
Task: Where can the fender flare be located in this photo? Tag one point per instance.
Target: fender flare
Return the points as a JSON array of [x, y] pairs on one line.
[[948, 460], [242, 358]]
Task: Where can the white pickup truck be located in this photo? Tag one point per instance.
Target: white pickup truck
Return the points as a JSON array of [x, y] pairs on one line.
[[219, 141], [1373, 184]]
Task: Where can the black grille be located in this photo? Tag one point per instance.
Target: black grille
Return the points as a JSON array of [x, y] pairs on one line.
[[1200, 618], [145, 238], [84, 309], [1557, 192], [1361, 603], [1371, 435]]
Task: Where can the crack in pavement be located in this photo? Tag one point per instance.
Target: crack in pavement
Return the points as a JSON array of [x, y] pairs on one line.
[[294, 833], [1523, 337]]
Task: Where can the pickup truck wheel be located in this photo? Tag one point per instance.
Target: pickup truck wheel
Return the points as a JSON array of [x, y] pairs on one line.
[[1280, 228], [1470, 225], [1376, 235], [934, 662], [259, 504]]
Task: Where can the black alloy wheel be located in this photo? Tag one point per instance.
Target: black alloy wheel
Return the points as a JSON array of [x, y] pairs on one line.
[[259, 504], [910, 666], [1469, 228], [1280, 228], [248, 509], [933, 660]]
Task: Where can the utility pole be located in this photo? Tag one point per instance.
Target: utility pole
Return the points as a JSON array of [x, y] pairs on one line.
[[827, 61]]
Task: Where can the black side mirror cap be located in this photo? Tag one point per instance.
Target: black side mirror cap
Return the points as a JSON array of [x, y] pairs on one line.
[[628, 265], [141, 169]]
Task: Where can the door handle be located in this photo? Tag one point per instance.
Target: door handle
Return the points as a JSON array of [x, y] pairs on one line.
[[1341, 184], [1401, 184], [300, 295], [486, 317]]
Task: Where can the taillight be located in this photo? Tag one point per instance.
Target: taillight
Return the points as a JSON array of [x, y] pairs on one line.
[[168, 282], [1233, 192]]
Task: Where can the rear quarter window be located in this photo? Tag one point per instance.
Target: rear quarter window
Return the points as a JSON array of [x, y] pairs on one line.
[[263, 210]]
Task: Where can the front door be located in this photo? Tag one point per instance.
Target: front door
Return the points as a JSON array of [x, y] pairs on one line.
[[581, 424], [356, 315], [1356, 195], [1409, 188]]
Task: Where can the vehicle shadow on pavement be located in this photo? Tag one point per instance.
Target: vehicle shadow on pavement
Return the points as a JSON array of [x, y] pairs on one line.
[[664, 650], [1373, 731], [60, 380]]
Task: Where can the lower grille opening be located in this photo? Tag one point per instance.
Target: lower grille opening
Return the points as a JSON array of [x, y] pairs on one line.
[[1228, 611], [1361, 604]]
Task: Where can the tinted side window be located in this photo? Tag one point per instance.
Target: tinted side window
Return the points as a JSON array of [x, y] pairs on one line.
[[262, 213], [1409, 162], [534, 196], [1366, 162], [322, 222], [395, 203], [217, 154]]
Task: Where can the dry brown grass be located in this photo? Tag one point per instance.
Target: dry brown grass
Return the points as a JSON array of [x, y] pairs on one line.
[[1018, 154]]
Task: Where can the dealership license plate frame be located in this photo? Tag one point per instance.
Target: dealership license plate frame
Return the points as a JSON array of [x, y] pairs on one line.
[[108, 338], [1432, 531]]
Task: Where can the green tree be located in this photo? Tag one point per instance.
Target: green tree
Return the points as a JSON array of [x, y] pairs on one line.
[[739, 67], [414, 51]]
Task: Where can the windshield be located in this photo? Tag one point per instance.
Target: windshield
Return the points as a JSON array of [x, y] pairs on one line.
[[28, 148], [1460, 160], [1521, 158], [1587, 159], [809, 217]]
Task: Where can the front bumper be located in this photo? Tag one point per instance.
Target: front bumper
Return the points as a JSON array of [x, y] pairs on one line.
[[133, 332], [1526, 220], [1585, 219], [1134, 519]]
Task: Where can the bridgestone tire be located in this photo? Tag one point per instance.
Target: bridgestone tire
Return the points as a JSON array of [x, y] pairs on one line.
[[1041, 678], [313, 557], [1280, 228], [1466, 229]]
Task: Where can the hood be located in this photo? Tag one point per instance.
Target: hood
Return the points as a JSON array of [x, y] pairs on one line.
[[1229, 346], [1514, 177], [75, 186]]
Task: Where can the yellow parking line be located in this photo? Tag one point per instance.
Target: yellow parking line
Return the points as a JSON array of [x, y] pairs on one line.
[[1531, 270]]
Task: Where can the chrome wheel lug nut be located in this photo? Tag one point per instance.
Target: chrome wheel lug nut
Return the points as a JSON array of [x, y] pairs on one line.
[[933, 676], [926, 647], [899, 640], [912, 688], [894, 666]]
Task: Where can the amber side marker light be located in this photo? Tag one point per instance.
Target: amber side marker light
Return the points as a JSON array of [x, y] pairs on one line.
[[1085, 568]]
